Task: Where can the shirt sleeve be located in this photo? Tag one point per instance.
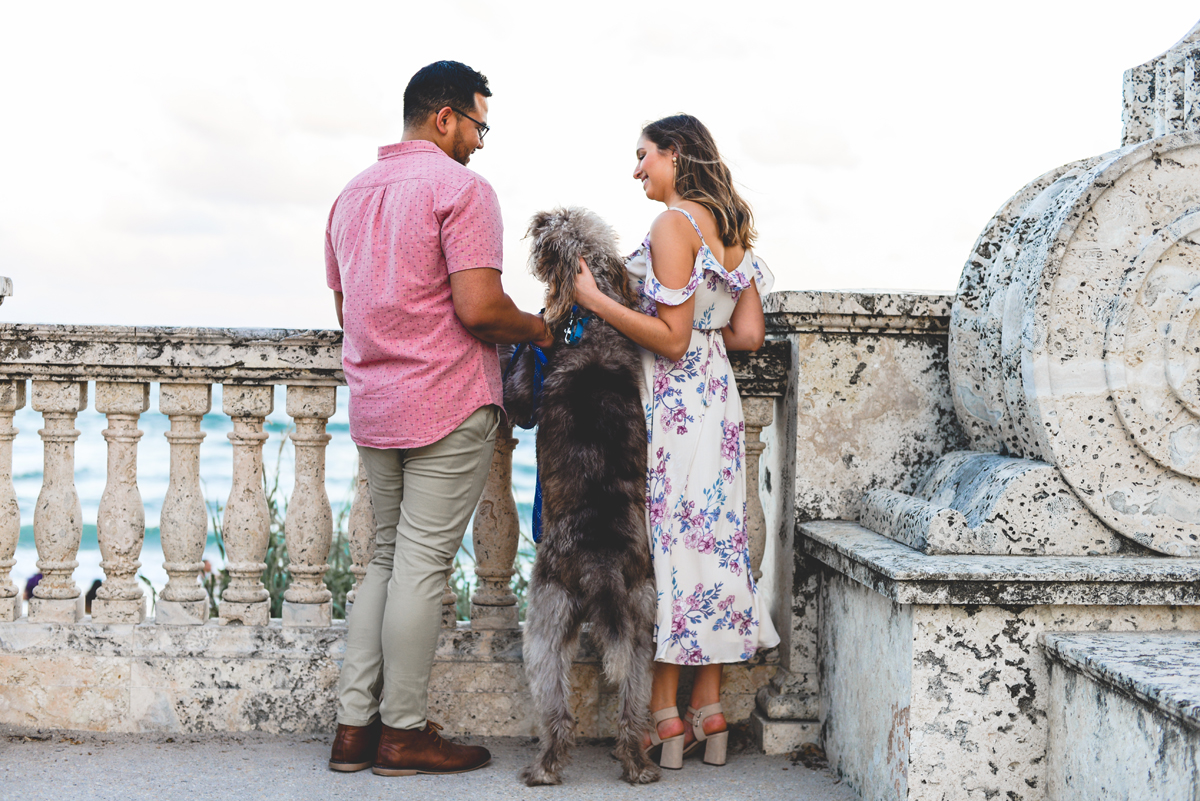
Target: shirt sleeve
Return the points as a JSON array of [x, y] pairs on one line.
[[333, 275], [473, 232]]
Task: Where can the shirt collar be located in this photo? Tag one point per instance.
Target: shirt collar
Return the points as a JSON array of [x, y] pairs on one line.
[[411, 146]]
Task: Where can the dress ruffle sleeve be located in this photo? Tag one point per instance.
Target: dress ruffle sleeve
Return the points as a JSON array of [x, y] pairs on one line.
[[763, 277], [671, 297]]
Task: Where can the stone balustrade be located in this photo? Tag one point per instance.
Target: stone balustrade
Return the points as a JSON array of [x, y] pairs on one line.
[[54, 366], [60, 360]]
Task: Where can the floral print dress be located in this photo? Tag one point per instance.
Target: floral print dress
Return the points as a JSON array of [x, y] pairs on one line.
[[708, 607]]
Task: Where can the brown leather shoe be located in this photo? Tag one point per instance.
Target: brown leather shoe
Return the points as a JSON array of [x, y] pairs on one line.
[[405, 752], [354, 747]]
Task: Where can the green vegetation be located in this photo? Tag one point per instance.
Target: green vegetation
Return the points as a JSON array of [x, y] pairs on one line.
[[338, 577]]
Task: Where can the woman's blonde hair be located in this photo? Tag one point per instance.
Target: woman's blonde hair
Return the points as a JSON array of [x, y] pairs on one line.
[[701, 176]]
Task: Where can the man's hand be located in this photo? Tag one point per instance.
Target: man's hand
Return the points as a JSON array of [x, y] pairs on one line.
[[548, 340], [488, 313]]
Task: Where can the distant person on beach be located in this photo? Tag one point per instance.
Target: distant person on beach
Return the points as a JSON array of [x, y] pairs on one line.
[[91, 596], [413, 253], [29, 585]]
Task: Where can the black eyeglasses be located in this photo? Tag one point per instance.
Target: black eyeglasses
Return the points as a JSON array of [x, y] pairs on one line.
[[483, 129]]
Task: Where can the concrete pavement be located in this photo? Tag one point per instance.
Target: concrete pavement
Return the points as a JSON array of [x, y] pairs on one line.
[[97, 767]]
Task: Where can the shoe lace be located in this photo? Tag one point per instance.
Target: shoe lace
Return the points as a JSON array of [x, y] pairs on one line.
[[433, 729]]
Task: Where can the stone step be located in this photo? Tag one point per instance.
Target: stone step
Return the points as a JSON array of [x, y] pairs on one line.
[[1124, 715]]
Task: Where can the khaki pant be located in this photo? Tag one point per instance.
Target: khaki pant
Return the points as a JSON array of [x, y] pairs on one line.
[[423, 498]]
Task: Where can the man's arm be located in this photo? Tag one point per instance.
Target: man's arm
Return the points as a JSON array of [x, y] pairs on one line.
[[337, 305], [488, 313]]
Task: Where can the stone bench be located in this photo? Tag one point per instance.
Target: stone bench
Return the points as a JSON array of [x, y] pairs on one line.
[[933, 685], [1124, 715]]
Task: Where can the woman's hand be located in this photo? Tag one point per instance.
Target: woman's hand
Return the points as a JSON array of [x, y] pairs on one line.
[[587, 294]]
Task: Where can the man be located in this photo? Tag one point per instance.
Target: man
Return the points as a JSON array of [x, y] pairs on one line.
[[413, 256]]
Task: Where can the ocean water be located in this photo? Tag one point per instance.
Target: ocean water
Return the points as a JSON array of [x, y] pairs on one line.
[[216, 471]]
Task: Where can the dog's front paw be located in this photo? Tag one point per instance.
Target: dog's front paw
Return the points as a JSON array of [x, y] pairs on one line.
[[536, 775], [644, 774]]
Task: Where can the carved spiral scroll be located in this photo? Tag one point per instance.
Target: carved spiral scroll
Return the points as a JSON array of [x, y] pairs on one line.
[[1085, 352]]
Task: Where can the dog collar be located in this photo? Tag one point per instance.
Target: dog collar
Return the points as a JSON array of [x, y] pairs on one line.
[[573, 330]]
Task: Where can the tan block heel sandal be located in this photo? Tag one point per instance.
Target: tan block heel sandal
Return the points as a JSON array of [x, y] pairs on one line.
[[715, 743], [671, 756]]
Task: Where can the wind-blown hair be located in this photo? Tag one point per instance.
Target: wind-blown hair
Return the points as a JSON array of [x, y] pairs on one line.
[[701, 175], [441, 84]]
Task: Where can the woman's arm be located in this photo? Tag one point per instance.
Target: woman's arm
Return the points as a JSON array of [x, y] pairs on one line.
[[746, 329], [670, 334]]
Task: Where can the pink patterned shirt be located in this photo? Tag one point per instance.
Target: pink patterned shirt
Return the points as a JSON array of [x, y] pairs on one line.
[[395, 234]]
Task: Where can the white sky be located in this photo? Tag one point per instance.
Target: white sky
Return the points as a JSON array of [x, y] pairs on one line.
[[173, 164]]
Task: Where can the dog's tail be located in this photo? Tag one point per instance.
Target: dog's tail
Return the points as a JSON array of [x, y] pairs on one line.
[[622, 624]]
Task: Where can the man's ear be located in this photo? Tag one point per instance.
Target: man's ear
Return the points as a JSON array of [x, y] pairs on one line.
[[442, 120]]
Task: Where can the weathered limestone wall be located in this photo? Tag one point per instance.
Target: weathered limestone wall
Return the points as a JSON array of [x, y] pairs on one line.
[[972, 685], [211, 678], [873, 404], [1124, 716], [867, 405], [866, 722]]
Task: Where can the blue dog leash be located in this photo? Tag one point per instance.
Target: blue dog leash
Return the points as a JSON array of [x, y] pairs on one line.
[[539, 364], [572, 333]]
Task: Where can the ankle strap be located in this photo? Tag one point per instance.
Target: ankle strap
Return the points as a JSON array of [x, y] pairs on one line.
[[670, 713], [698, 716]]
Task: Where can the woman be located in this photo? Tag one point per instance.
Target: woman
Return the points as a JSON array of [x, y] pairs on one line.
[[701, 289]]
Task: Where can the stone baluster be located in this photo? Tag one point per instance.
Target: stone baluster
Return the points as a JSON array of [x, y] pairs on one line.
[[758, 412], [495, 533], [12, 398], [121, 520], [246, 526], [362, 533], [309, 525], [449, 606], [57, 516], [184, 526]]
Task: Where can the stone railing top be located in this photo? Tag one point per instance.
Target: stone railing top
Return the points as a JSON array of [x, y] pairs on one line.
[[209, 355], [858, 311], [764, 372], [908, 576], [6, 287], [1168, 681], [243, 356]]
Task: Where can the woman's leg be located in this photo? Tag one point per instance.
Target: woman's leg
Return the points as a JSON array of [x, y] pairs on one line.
[[663, 693], [706, 689]]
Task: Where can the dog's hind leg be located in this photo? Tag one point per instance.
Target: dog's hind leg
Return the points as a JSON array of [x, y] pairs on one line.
[[626, 632], [551, 631]]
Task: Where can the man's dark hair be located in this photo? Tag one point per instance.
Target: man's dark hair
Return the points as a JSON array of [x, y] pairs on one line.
[[441, 84]]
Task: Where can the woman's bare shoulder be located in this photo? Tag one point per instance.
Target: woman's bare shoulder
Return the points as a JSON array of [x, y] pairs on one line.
[[671, 224]]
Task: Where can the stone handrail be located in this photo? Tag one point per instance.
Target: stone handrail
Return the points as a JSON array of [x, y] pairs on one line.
[[123, 361]]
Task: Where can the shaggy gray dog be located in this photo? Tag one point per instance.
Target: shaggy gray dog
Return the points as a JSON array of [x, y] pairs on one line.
[[593, 562]]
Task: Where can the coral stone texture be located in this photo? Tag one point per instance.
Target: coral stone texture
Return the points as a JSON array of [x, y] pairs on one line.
[[982, 503], [1162, 96], [183, 524], [57, 515], [933, 683], [1124, 716], [1073, 342], [121, 520], [12, 399], [872, 405], [309, 525], [279, 678]]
